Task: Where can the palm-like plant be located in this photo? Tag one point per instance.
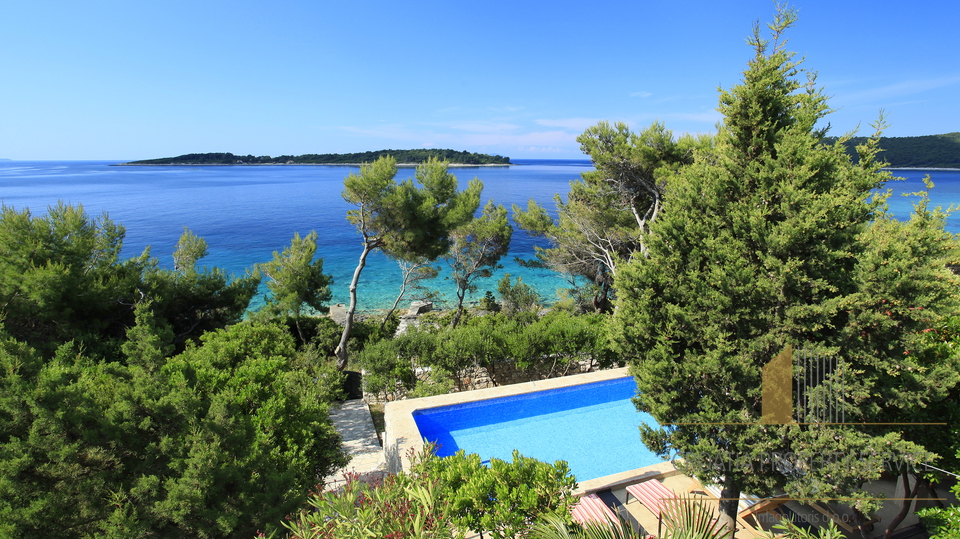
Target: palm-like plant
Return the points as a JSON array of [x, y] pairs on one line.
[[683, 518], [687, 517], [553, 526]]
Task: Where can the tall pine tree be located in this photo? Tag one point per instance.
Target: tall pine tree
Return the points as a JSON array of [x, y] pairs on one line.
[[757, 249]]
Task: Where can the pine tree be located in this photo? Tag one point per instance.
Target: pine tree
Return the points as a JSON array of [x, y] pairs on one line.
[[757, 249]]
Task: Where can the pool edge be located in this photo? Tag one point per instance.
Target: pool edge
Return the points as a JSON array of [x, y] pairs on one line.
[[400, 430]]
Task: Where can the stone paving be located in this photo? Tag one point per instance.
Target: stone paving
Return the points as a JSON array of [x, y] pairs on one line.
[[352, 420]]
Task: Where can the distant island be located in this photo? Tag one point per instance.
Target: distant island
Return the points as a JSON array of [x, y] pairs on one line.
[[928, 151], [402, 156]]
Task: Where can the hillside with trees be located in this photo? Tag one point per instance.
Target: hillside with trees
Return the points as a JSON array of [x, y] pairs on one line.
[[400, 156], [928, 151]]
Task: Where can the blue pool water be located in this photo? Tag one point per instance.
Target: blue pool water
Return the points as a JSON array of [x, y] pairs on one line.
[[594, 427]]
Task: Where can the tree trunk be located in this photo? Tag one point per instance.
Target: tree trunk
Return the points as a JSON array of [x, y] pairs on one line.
[[296, 322], [396, 303], [461, 293], [905, 503], [729, 506], [341, 351]]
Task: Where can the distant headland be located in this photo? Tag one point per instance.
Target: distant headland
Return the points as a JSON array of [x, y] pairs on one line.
[[928, 151], [403, 157]]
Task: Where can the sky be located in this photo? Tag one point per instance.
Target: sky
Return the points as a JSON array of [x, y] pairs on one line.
[[125, 80]]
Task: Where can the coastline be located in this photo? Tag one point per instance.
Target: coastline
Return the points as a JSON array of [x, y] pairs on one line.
[[399, 165], [922, 168]]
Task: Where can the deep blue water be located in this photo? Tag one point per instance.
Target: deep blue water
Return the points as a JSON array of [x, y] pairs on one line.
[[246, 213], [591, 426]]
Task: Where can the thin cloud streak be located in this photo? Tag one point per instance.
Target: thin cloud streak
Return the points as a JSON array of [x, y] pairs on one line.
[[900, 89], [572, 124], [485, 127]]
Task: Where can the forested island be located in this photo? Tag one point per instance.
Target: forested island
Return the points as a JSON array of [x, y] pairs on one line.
[[402, 156], [928, 151]]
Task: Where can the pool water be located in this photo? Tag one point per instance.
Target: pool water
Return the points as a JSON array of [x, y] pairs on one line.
[[594, 427]]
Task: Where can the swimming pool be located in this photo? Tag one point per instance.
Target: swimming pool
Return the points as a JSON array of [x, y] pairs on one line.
[[592, 426]]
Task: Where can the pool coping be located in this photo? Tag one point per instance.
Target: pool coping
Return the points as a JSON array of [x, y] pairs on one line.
[[402, 435]]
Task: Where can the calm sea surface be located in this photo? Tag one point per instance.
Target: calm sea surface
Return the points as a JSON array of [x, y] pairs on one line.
[[246, 213]]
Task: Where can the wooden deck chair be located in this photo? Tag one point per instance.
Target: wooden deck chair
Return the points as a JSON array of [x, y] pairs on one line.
[[826, 511], [748, 506]]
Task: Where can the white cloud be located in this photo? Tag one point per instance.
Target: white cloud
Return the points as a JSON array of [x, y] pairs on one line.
[[505, 109], [640, 94], [485, 127], [899, 89], [487, 136], [538, 138], [572, 124]]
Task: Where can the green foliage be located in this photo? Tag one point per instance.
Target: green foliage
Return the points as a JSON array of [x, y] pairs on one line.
[[544, 346], [789, 530], [387, 373], [476, 249], [440, 498], [149, 342], [297, 281], [689, 518], [504, 498], [555, 526], [410, 220], [61, 278], [609, 210], [942, 523], [213, 443], [190, 249], [489, 303], [518, 297], [401, 505], [196, 301], [767, 242]]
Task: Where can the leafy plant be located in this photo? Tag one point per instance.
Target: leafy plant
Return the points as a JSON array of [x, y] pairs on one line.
[[789, 530], [518, 297], [504, 498], [687, 517], [489, 303], [557, 526], [398, 506]]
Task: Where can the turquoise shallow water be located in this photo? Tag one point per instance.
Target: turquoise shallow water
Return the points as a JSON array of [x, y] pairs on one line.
[[246, 213], [594, 427]]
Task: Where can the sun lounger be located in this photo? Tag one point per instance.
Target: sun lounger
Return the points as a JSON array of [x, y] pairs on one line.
[[652, 494], [592, 508], [621, 510]]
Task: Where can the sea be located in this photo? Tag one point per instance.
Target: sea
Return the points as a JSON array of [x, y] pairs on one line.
[[246, 213]]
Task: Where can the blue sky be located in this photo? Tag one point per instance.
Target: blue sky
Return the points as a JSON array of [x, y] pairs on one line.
[[136, 80]]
